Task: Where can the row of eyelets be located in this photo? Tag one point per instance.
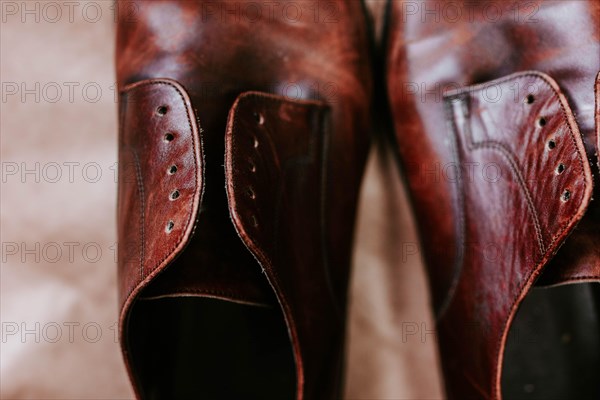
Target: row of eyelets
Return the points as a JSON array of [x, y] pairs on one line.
[[551, 144], [161, 111], [260, 120]]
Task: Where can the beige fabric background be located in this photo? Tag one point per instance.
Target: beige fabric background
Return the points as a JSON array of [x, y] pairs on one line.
[[58, 304]]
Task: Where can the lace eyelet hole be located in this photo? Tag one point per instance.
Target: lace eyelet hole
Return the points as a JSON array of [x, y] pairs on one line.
[[560, 168], [542, 121], [174, 195], [566, 195], [169, 227], [162, 110], [260, 119], [172, 169], [551, 144], [169, 137], [529, 99]]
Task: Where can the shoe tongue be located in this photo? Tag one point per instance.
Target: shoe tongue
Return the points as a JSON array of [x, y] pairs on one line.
[[228, 282], [578, 260], [214, 264]]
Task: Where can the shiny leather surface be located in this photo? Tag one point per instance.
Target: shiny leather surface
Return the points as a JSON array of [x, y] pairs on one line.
[[272, 180], [309, 78], [146, 208], [483, 167], [501, 259]]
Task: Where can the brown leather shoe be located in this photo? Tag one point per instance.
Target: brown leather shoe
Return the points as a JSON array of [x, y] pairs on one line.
[[243, 135], [494, 115]]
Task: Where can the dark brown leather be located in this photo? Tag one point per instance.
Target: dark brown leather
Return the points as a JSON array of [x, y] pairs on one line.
[[272, 180], [495, 126], [153, 227], [269, 123]]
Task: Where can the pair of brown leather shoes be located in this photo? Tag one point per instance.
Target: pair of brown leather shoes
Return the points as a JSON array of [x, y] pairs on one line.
[[244, 128]]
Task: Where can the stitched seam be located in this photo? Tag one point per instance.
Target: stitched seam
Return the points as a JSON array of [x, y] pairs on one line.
[[460, 207], [519, 76], [140, 186], [509, 156], [577, 278], [231, 294], [515, 76], [181, 236], [470, 89], [140, 182], [209, 291]]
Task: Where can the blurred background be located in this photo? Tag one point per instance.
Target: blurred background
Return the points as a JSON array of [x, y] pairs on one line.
[[58, 298]]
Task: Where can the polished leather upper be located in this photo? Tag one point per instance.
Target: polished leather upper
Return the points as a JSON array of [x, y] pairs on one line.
[[272, 180], [154, 225], [495, 124], [500, 258], [269, 122]]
